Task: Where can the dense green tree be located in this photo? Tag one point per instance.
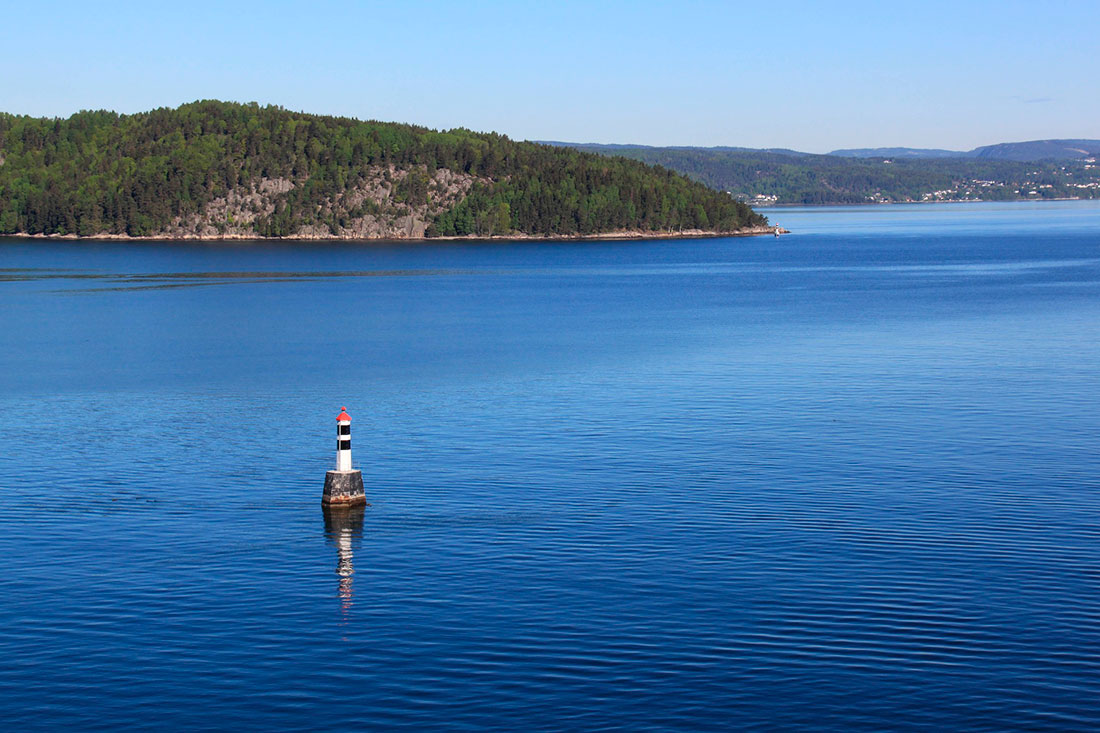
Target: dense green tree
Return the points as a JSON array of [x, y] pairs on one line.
[[101, 172]]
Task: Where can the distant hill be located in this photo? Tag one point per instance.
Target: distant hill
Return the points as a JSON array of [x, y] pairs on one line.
[[899, 153], [1040, 150], [219, 169], [766, 177], [1033, 150]]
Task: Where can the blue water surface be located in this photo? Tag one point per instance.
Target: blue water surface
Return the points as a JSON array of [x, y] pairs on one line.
[[844, 479]]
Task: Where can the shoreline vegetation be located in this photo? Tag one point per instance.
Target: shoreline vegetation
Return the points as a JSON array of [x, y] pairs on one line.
[[214, 170], [625, 235]]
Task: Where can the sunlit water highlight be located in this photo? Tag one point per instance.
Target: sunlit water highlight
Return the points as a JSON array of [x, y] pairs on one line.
[[843, 479]]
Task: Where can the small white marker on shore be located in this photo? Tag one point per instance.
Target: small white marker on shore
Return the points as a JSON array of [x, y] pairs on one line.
[[344, 486]]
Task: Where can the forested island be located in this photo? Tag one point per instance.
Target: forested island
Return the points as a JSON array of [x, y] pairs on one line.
[[992, 173], [216, 169]]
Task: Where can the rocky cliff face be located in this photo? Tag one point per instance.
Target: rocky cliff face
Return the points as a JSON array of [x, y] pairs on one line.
[[388, 204]]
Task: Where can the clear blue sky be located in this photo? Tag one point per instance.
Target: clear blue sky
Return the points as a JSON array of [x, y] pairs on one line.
[[764, 74]]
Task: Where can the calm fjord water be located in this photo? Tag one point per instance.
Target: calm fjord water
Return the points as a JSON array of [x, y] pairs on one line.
[[843, 479]]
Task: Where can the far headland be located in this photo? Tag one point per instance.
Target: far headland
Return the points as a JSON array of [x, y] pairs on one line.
[[1038, 170]]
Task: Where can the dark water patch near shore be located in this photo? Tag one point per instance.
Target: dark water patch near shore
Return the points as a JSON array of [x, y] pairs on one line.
[[149, 281]]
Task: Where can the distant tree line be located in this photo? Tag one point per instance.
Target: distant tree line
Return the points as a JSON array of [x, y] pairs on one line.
[[99, 172], [795, 178]]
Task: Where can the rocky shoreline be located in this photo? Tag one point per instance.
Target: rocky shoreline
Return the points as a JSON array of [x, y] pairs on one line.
[[616, 235]]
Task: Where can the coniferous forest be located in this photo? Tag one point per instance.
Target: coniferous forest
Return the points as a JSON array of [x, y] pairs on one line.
[[214, 167]]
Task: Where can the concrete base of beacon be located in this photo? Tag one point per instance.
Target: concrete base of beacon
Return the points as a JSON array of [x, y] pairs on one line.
[[344, 488]]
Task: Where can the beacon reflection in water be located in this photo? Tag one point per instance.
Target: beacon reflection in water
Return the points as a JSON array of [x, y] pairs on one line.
[[344, 528]]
